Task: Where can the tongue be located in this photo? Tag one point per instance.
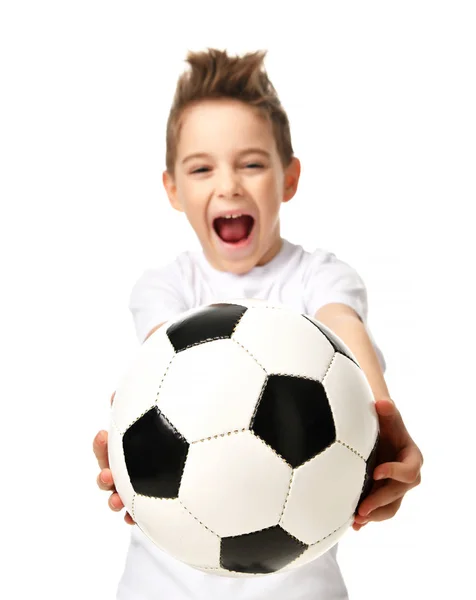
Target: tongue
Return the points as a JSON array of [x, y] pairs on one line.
[[233, 230]]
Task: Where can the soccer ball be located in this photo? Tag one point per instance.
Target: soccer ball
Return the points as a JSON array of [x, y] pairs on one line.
[[243, 438]]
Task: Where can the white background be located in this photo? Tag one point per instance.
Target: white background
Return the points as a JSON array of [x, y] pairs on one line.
[[381, 99]]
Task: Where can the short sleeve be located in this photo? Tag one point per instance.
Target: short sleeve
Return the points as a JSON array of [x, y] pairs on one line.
[[156, 297], [329, 279]]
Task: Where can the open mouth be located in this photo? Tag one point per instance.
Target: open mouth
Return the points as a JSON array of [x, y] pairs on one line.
[[233, 229]]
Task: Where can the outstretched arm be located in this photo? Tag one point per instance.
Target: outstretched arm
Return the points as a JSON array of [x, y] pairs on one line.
[[399, 459]]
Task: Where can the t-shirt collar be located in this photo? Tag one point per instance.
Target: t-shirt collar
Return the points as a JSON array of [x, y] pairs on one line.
[[258, 271]]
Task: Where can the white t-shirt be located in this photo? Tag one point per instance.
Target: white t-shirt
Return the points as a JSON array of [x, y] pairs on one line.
[[296, 278]]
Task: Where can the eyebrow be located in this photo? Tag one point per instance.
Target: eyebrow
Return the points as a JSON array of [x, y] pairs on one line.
[[246, 151]]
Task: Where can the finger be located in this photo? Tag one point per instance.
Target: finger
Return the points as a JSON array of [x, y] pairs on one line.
[[358, 526], [386, 408], [391, 424], [360, 520], [407, 470], [128, 519], [105, 480], [382, 497], [100, 449], [385, 512], [115, 502], [398, 471]]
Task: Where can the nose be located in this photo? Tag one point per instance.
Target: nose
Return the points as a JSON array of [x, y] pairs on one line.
[[228, 184]]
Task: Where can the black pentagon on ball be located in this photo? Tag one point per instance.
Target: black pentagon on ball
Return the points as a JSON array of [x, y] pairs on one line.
[[216, 321], [293, 416], [264, 551], [155, 455], [333, 339], [371, 464]]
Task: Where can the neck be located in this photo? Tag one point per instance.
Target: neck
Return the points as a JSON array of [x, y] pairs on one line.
[[272, 252]]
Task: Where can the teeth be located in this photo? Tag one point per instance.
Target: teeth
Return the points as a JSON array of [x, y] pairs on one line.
[[232, 216]]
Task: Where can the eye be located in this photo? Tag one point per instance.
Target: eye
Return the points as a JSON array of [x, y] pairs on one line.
[[200, 170], [254, 165]]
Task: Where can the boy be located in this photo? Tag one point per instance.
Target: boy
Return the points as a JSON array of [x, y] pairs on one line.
[[230, 165]]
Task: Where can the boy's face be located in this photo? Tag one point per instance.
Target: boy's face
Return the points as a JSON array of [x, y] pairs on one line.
[[232, 192]]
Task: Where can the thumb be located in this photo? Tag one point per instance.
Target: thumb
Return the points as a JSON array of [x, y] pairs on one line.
[[100, 449], [386, 408], [391, 425]]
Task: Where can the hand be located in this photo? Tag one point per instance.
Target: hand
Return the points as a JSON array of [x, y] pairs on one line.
[[399, 463], [104, 479]]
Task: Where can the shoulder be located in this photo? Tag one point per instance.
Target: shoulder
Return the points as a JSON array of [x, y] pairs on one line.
[[328, 267], [328, 279], [170, 275], [170, 282], [318, 267], [160, 293]]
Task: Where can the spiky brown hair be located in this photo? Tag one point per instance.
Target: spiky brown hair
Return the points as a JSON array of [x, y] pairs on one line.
[[215, 74]]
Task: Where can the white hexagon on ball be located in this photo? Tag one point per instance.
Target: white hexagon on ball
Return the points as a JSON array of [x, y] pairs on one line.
[[355, 420], [283, 341], [210, 389], [324, 494], [170, 523], [319, 548], [138, 389], [235, 484]]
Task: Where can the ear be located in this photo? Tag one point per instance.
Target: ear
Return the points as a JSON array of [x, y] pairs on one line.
[[291, 179], [171, 189]]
